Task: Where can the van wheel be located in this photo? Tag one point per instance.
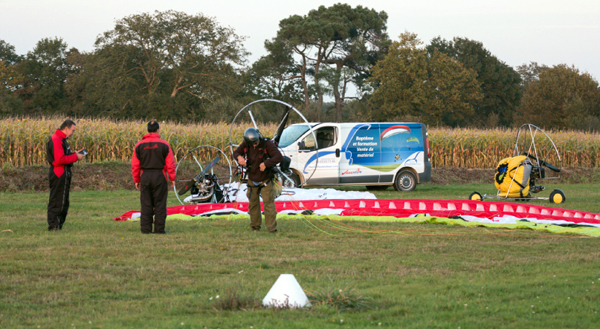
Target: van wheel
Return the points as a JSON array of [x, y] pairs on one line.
[[405, 181], [287, 184], [377, 188]]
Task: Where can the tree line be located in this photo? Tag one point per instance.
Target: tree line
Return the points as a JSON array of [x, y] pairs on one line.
[[177, 66]]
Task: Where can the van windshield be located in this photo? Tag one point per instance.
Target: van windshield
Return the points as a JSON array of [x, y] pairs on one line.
[[291, 134]]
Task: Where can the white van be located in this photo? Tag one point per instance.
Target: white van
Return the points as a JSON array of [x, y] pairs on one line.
[[376, 155]]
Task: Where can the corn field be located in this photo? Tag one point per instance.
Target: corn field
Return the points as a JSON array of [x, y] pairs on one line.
[[23, 142], [478, 148]]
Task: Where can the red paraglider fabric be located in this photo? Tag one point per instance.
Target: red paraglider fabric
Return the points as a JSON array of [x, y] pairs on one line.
[[400, 208]]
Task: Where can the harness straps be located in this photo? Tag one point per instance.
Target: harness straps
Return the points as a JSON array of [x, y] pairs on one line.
[[269, 170], [263, 157]]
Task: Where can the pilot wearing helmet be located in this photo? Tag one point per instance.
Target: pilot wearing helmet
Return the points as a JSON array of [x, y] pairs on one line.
[[259, 155]]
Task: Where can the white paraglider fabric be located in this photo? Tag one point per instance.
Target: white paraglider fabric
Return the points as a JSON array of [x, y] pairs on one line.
[[237, 193], [509, 219]]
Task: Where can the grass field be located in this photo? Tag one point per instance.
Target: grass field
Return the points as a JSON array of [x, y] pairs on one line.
[[97, 273]]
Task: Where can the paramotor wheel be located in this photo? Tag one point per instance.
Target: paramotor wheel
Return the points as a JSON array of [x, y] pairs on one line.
[[475, 196], [557, 196], [286, 183], [195, 161]]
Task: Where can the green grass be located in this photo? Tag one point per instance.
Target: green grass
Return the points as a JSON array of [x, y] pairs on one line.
[[98, 273]]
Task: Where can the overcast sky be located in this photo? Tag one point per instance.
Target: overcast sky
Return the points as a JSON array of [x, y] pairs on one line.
[[516, 31]]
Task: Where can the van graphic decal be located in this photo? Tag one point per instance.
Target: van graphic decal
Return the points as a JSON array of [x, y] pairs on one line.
[[412, 160], [313, 158], [353, 172], [393, 130], [349, 139]]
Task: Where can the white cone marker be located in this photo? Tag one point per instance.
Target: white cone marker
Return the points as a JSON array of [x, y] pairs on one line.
[[286, 292]]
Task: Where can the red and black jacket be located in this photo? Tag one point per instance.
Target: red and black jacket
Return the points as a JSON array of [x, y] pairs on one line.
[[58, 153], [152, 153]]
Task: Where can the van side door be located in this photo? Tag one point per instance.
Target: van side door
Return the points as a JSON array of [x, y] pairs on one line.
[[326, 159]]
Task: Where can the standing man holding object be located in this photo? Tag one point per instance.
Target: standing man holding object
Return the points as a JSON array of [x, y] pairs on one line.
[[262, 154], [61, 159], [152, 161]]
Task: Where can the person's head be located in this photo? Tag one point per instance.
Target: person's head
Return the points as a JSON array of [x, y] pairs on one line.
[[68, 127], [153, 127], [252, 136]]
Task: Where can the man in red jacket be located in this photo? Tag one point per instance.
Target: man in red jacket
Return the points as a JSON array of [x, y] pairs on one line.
[[61, 159], [152, 160]]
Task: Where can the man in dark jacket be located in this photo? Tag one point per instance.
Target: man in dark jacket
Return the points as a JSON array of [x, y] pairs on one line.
[[260, 156], [152, 161], [61, 159]]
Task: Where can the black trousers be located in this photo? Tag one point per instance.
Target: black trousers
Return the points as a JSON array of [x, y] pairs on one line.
[[153, 197], [58, 204]]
